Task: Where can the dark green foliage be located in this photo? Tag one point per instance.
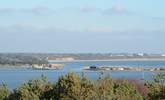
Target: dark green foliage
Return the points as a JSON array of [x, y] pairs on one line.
[[157, 88], [124, 90], [104, 88], [87, 91], [74, 87], [32, 90], [140, 87], [4, 92], [16, 59], [159, 78], [68, 87]]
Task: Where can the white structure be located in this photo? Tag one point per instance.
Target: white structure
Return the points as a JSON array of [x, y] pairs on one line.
[[163, 55], [140, 54]]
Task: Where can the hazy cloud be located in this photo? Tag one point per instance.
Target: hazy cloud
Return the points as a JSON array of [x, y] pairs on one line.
[[90, 9], [26, 28], [99, 30], [50, 39], [7, 10], [117, 9], [40, 10]]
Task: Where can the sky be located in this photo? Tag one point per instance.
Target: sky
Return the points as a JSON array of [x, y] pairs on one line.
[[82, 26]]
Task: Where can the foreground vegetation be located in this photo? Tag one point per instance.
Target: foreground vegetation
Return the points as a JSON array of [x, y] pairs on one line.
[[74, 87]]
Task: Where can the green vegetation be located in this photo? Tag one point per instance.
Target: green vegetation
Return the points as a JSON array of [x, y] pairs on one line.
[[21, 59], [74, 87], [4, 92]]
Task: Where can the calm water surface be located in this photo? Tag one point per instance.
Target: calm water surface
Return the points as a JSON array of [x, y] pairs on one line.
[[14, 78]]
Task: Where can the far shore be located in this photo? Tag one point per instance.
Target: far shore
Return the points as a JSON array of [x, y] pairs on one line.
[[134, 59], [13, 66]]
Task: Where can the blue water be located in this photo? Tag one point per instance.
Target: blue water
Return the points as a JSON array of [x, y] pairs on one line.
[[14, 78]]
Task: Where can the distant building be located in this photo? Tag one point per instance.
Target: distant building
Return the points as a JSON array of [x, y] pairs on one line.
[[120, 68], [163, 55], [140, 54], [65, 59], [93, 67], [117, 68]]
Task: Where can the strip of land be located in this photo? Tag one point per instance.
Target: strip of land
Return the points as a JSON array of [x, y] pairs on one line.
[[132, 59]]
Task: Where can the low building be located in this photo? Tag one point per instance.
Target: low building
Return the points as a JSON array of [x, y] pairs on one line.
[[93, 67], [117, 68]]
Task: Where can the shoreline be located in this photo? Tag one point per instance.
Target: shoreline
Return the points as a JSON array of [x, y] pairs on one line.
[[121, 71], [136, 59]]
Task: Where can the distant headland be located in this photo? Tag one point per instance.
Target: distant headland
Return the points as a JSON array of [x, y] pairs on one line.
[[45, 58]]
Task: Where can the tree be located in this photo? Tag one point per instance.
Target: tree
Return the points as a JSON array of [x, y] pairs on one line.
[[87, 91], [124, 90], [32, 90], [157, 88], [4, 92], [68, 87], [73, 87], [105, 88], [140, 87]]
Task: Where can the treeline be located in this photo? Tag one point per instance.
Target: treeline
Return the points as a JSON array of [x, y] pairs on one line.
[[16, 59], [74, 87]]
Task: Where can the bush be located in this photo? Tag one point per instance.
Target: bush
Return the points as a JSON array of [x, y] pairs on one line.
[[32, 90], [124, 90], [74, 87], [104, 88], [4, 92], [157, 88]]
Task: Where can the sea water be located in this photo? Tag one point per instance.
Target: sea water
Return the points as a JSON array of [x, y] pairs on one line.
[[15, 77]]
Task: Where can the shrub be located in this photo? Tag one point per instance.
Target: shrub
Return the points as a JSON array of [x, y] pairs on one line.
[[4, 92], [124, 90], [32, 90]]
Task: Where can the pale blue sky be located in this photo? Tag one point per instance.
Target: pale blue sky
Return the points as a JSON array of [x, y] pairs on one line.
[[82, 26]]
